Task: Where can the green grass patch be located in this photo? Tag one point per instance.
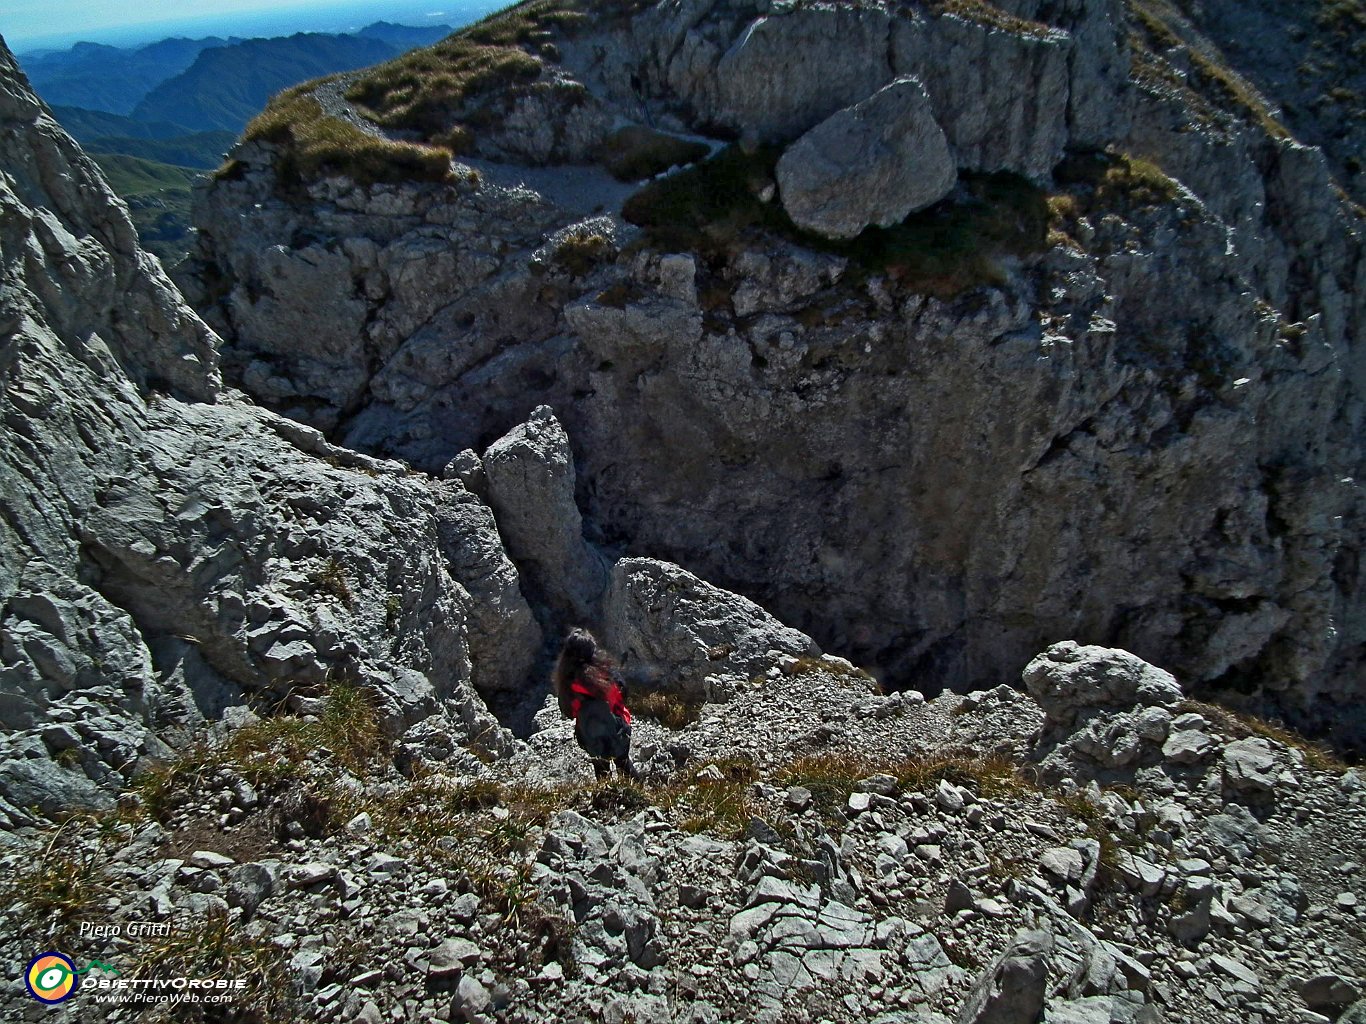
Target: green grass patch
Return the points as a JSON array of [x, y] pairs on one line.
[[988, 775], [432, 90], [266, 753], [958, 244], [830, 777], [136, 176], [1133, 181], [316, 144], [426, 89], [952, 247]]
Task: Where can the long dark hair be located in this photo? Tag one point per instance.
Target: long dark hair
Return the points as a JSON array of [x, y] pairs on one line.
[[581, 658]]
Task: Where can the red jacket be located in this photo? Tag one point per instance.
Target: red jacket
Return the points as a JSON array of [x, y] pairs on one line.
[[579, 691]]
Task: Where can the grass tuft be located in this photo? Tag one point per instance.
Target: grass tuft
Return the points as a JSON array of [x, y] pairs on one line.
[[807, 664], [217, 946], [1211, 90], [721, 806], [315, 144], [267, 753], [830, 777], [581, 250], [1240, 725], [670, 710], [1116, 180], [64, 885], [331, 579], [988, 14]]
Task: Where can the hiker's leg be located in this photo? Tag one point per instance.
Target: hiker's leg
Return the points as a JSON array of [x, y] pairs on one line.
[[600, 767], [626, 768]]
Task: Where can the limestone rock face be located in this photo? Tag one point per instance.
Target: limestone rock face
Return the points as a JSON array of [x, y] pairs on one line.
[[530, 473], [503, 635], [764, 85], [1000, 96], [166, 549], [872, 163], [678, 630]]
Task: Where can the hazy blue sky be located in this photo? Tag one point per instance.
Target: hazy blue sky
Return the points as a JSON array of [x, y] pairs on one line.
[[28, 24]]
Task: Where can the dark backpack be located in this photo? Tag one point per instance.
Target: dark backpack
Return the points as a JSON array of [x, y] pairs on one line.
[[601, 733]]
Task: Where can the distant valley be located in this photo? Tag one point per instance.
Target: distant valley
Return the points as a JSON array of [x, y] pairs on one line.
[[155, 117]]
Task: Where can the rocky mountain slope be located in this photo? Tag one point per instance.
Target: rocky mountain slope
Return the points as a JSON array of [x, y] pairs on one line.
[[1078, 357], [250, 688]]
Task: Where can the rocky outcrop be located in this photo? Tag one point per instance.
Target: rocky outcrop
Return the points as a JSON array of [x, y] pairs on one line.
[[872, 163], [504, 636], [1012, 990], [530, 481], [762, 86], [682, 634], [169, 550], [1070, 682], [1108, 713]]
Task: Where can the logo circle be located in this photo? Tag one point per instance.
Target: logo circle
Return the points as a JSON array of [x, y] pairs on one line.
[[51, 978]]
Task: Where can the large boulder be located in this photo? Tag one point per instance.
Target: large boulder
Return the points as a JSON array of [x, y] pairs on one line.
[[872, 163], [681, 632], [1070, 681], [1107, 713]]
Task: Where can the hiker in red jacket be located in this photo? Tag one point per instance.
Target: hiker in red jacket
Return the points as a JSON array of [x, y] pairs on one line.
[[588, 693]]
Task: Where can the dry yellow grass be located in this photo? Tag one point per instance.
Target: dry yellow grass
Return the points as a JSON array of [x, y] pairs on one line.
[[316, 144], [1240, 725]]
